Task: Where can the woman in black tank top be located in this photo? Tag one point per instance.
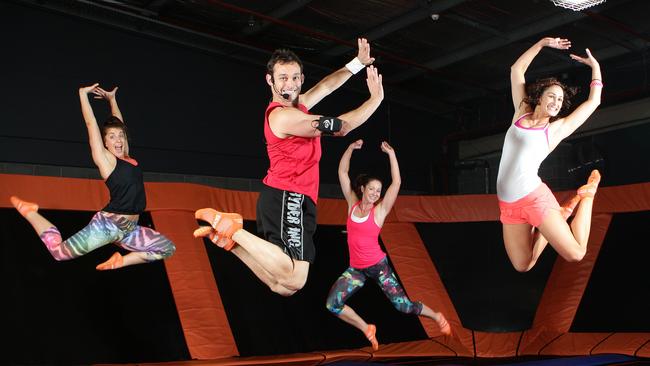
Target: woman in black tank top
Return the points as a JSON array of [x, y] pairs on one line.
[[118, 221]]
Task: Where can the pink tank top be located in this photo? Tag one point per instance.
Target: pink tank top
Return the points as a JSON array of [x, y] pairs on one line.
[[293, 160], [363, 240]]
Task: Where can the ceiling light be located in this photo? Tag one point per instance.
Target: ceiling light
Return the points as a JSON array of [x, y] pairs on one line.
[[577, 5]]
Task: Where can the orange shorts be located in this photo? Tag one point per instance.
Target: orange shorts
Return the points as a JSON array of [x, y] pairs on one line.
[[530, 209]]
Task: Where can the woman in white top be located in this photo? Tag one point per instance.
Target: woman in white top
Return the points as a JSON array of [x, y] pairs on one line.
[[538, 127]]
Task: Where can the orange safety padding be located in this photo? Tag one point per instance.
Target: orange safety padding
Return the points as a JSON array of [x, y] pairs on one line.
[[186, 196], [54, 193], [423, 348], [172, 205], [496, 344], [564, 290], [347, 355], [484, 207], [568, 281], [190, 197], [332, 211], [421, 280], [571, 344], [644, 350], [201, 312], [626, 343], [297, 359], [627, 198], [533, 340], [479, 207], [461, 208], [91, 194]]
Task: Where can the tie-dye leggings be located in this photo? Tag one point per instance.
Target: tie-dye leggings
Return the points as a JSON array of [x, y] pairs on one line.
[[105, 228], [353, 279]]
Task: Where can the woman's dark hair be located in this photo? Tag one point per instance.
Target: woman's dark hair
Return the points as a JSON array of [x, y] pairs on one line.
[[282, 56], [113, 122], [535, 90], [361, 181]]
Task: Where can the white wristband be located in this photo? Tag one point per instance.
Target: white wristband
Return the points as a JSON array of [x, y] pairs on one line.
[[355, 65]]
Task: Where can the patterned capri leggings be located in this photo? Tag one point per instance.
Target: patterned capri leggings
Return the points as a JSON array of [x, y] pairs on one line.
[[105, 228], [353, 279]]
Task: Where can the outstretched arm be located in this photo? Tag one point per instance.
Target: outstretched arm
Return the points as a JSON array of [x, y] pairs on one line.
[[334, 80], [518, 69], [344, 177], [357, 117], [99, 153], [392, 191], [112, 100], [289, 121], [564, 127]]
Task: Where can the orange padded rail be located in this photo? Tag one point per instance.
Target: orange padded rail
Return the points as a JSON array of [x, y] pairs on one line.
[[422, 282], [196, 294]]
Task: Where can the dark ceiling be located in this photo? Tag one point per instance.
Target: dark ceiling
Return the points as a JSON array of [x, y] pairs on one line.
[[454, 64]]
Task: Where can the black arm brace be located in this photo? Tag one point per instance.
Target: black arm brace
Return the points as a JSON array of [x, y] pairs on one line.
[[328, 125]]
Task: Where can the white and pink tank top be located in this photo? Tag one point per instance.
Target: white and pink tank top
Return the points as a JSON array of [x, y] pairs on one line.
[[524, 149]]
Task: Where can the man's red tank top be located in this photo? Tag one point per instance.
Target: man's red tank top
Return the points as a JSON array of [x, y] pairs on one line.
[[293, 160]]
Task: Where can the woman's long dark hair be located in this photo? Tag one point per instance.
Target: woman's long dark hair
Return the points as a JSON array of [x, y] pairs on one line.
[[361, 181], [535, 90]]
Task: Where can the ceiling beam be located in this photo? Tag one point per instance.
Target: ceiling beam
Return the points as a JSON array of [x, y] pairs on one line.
[[158, 5], [132, 20], [543, 25], [617, 25], [475, 24], [413, 16], [478, 48], [326, 36], [278, 13], [605, 35]]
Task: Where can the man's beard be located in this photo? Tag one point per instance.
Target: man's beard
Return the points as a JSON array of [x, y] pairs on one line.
[[295, 101]]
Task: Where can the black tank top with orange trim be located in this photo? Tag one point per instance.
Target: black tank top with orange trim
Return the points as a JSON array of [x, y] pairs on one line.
[[126, 187]]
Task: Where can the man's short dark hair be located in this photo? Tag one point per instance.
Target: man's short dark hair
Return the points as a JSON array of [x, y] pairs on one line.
[[282, 56]]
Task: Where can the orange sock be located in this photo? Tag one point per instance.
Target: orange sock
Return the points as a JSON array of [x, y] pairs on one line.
[[445, 328], [225, 224], [114, 262], [589, 189], [210, 233], [23, 207], [370, 334]]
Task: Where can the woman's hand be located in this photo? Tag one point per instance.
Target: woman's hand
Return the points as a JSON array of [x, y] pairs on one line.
[[103, 94], [557, 43], [589, 60], [385, 147], [88, 89], [356, 145]]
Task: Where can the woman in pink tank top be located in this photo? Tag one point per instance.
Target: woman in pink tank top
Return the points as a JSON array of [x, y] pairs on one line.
[[538, 127], [366, 215]]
